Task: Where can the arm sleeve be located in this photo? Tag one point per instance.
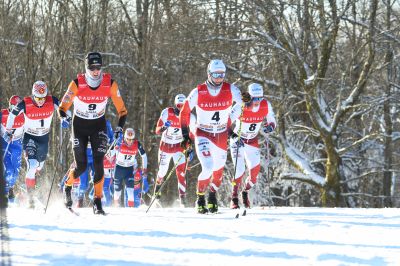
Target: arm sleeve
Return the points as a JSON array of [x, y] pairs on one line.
[[143, 155], [67, 99], [184, 116], [119, 104], [161, 121], [271, 115], [235, 112], [236, 94], [56, 102], [13, 114], [110, 132]]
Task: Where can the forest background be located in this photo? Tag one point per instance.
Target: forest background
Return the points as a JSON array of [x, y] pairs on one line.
[[329, 68]]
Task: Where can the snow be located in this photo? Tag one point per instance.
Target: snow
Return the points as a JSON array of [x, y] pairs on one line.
[[176, 236]]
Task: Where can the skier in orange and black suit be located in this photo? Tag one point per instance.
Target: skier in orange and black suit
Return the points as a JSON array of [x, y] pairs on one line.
[[89, 93]]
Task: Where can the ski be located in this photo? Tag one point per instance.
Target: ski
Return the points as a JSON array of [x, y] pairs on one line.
[[73, 211]]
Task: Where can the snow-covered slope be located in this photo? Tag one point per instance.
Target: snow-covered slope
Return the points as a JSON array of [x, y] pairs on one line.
[[266, 236]]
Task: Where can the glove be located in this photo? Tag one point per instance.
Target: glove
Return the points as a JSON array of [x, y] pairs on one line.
[[117, 133], [268, 128], [246, 98], [189, 154], [167, 124], [65, 121], [7, 136], [186, 142], [236, 139]]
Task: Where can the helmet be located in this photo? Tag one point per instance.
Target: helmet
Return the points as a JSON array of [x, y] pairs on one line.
[[255, 90], [14, 100], [39, 89], [216, 65], [93, 58], [129, 134], [179, 100]]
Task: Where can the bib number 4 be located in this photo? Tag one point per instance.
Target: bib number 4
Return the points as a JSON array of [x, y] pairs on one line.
[[216, 117]]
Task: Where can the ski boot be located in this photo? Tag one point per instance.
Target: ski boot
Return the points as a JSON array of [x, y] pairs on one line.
[[245, 198], [67, 196], [212, 202], [235, 203], [97, 206], [201, 204]]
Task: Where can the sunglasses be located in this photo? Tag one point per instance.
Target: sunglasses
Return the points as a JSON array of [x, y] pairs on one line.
[[38, 99], [217, 75], [94, 67], [257, 99]]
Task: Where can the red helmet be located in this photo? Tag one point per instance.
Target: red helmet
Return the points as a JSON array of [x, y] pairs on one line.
[[14, 100]]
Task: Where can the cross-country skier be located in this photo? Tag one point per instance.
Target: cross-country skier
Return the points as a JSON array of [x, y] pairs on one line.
[[256, 115], [90, 93], [12, 149], [169, 127], [213, 101], [125, 169], [38, 110]]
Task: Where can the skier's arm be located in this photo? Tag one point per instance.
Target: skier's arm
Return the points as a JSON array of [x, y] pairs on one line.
[[236, 94], [68, 99], [184, 116], [56, 102], [270, 122], [119, 104], [110, 132], [144, 157], [20, 107], [160, 128], [236, 112]]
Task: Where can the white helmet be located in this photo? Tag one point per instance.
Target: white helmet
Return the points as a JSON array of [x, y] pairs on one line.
[[179, 100], [39, 89], [129, 134], [216, 65], [255, 90]]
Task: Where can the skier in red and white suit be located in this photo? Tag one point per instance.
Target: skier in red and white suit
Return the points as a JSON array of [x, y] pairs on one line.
[[256, 115], [125, 168], [213, 101], [169, 127]]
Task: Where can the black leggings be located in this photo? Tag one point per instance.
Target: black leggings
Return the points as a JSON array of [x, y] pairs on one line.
[[95, 131]]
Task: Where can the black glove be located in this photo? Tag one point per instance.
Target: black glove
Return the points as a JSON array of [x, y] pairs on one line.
[[186, 142], [236, 138], [246, 97], [117, 133]]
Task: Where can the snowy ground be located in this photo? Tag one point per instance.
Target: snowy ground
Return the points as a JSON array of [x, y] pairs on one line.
[[266, 236]]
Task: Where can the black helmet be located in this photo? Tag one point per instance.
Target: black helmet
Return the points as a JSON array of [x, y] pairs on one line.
[[93, 58]]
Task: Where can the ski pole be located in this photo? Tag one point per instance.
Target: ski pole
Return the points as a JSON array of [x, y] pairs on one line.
[[111, 146], [165, 181], [268, 179], [6, 150], [55, 170]]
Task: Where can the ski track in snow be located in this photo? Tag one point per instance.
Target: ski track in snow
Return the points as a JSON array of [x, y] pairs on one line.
[[173, 236]]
